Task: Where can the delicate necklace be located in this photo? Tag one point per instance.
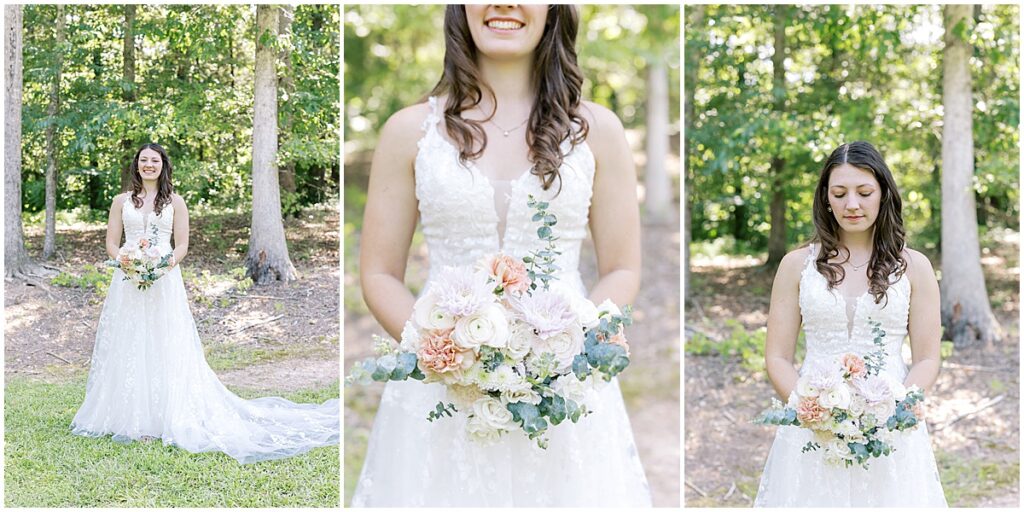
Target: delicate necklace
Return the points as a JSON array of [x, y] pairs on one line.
[[858, 267], [510, 130]]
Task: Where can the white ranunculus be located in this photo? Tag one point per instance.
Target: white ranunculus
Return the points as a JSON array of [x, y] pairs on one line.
[[429, 315], [489, 326], [838, 396], [481, 431], [609, 307], [565, 346], [586, 311], [493, 413], [806, 388], [520, 340], [840, 449]]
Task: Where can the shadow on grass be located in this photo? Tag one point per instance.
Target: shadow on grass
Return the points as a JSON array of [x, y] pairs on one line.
[[46, 466]]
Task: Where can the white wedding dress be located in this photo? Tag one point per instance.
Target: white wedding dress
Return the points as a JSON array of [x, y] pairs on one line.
[[416, 463], [906, 478], [149, 376]]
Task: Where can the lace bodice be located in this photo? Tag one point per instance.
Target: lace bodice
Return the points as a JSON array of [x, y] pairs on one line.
[[458, 214], [827, 332], [138, 225]]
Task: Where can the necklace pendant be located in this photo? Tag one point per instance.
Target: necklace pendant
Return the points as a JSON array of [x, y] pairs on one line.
[[506, 133]]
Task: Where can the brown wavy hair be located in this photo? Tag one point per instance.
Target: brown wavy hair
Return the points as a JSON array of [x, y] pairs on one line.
[[557, 86], [889, 235], [164, 186]]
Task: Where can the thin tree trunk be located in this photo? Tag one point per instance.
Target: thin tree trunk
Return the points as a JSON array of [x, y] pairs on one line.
[[95, 182], [267, 259], [777, 208], [287, 173], [16, 260], [658, 186], [966, 313], [50, 239], [691, 71], [128, 76]]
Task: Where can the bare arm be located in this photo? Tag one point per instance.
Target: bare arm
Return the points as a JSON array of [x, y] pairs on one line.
[[180, 229], [115, 226], [389, 221], [784, 324], [925, 323], [614, 211]]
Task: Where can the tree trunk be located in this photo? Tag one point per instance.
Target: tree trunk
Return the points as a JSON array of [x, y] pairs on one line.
[[16, 260], [658, 200], [267, 258], [287, 173], [128, 95], [966, 313], [777, 208], [691, 72], [50, 239], [94, 184]]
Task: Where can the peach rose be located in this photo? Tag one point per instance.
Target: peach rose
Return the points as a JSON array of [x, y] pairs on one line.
[[853, 365], [509, 272], [143, 243], [808, 411], [438, 353]]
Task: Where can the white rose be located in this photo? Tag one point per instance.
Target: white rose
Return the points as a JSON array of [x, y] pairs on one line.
[[899, 391], [805, 388], [463, 396], [586, 311], [480, 431], [520, 341], [565, 346], [857, 406], [571, 388], [609, 307], [525, 395], [429, 316], [838, 396], [882, 410], [840, 449], [489, 326], [493, 413]]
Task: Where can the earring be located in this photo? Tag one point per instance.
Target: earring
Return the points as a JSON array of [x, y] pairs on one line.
[[829, 208]]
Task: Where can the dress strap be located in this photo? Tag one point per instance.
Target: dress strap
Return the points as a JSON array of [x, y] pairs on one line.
[[433, 117], [811, 255]]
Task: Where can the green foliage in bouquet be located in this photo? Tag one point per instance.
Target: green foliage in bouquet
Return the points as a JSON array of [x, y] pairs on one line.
[[540, 265]]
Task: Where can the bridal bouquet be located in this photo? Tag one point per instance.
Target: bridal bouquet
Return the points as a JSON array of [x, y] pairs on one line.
[[514, 353], [853, 409], [142, 262]]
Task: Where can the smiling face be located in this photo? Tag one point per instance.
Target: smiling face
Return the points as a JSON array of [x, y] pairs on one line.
[[855, 197], [150, 164], [506, 31]]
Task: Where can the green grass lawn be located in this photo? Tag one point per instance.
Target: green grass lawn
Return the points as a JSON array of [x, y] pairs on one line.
[[46, 466]]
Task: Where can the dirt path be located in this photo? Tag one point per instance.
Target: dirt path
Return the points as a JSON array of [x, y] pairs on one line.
[[977, 452], [650, 385], [276, 337]]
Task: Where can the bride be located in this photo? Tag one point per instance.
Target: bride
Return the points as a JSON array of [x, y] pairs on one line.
[[149, 377], [857, 268], [504, 122]]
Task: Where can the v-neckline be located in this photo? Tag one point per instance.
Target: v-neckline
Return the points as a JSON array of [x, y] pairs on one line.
[[145, 215], [512, 185]]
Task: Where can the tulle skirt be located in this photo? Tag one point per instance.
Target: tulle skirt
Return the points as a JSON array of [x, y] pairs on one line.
[[149, 377], [411, 462]]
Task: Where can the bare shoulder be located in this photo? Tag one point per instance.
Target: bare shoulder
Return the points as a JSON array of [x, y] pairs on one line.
[[792, 265], [120, 199], [178, 202], [604, 126], [403, 128], [919, 267]]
